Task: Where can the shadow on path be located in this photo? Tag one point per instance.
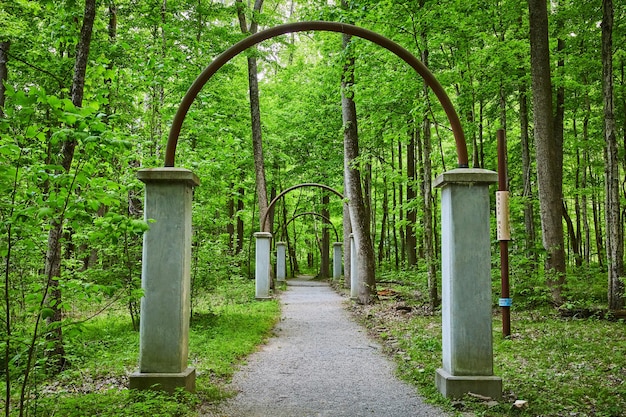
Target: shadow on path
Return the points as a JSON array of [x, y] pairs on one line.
[[322, 364]]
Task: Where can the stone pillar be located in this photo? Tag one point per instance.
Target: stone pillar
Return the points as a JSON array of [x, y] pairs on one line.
[[466, 285], [354, 268], [281, 267], [337, 260], [165, 280], [262, 265]]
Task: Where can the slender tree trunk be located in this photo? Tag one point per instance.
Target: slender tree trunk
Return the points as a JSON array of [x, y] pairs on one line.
[[411, 212], [230, 226], [394, 204], [52, 268], [577, 204], [429, 231], [586, 166], [597, 225], [359, 215], [401, 211], [4, 73], [255, 113], [614, 231], [383, 227], [549, 151], [529, 211]]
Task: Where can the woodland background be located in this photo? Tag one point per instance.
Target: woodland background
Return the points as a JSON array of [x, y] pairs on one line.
[[89, 90]]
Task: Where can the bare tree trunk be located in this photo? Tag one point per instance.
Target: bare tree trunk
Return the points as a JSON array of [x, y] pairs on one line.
[[255, 113], [614, 232], [549, 151], [359, 216]]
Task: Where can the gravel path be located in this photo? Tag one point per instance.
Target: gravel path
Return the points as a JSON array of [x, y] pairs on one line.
[[320, 364]]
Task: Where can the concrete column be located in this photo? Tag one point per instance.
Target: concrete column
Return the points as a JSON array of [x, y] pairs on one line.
[[281, 267], [337, 260], [466, 285], [354, 268], [262, 267], [165, 279]]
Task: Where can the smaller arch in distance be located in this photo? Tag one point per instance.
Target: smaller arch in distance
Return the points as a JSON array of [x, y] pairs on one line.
[[406, 56], [312, 213], [295, 187]]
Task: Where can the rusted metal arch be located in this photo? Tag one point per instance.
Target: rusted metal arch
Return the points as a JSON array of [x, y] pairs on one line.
[[224, 57], [295, 187], [312, 213]]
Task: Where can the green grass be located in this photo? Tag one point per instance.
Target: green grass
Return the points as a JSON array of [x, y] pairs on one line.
[[561, 367], [227, 325]]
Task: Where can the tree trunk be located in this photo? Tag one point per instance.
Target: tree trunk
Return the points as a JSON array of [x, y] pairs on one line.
[[586, 165], [52, 269], [411, 213], [358, 213], [4, 73], [529, 211], [230, 226], [255, 113], [614, 232], [427, 197], [383, 227], [549, 151], [401, 212], [394, 207]]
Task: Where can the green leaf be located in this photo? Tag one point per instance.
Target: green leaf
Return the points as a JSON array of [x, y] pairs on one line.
[[45, 212], [47, 312], [10, 150]]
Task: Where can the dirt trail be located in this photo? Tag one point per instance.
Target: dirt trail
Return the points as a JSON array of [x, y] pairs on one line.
[[321, 363]]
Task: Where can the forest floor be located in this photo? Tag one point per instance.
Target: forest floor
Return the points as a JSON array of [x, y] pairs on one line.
[[320, 363]]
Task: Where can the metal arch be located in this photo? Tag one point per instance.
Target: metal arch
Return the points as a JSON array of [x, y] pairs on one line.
[[295, 187], [224, 57], [312, 213]]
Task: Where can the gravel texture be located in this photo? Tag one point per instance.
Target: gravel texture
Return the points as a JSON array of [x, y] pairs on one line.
[[321, 363]]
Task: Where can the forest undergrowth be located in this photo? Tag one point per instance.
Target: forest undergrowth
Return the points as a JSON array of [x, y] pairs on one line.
[[227, 324], [557, 362]]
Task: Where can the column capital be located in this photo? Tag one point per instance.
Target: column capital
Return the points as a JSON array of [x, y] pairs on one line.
[[263, 235], [469, 176], [168, 175]]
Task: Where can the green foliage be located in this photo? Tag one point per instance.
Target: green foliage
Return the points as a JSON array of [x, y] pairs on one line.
[[560, 366]]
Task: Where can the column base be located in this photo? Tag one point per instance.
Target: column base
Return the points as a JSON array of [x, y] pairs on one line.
[[455, 386], [168, 382]]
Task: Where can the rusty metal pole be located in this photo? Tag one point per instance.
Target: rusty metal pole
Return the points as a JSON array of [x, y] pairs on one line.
[[504, 234]]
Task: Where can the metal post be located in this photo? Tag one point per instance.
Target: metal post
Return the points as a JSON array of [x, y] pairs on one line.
[[504, 234]]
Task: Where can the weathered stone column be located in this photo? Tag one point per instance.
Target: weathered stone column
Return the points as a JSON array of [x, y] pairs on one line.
[[165, 279], [337, 260], [354, 268], [281, 266], [262, 265], [466, 285]]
